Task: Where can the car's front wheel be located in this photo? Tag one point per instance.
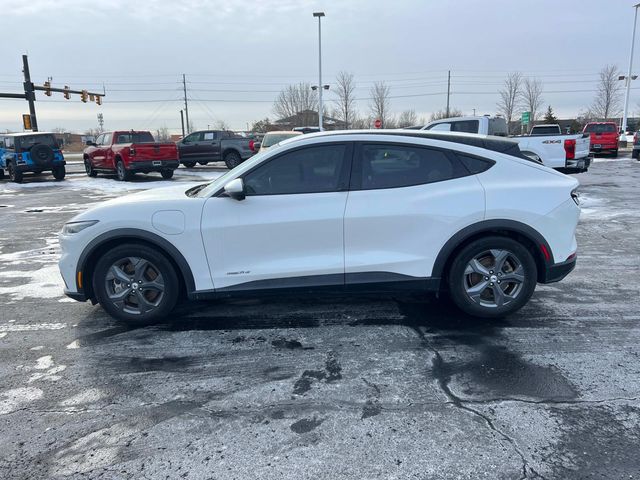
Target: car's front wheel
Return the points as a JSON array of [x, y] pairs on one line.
[[135, 283], [492, 277], [88, 167], [14, 174]]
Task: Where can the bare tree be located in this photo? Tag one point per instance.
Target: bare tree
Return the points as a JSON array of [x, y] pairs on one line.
[[531, 97], [379, 105], [607, 103], [407, 118], [361, 123], [440, 114], [163, 135], [345, 88], [510, 97], [295, 99]]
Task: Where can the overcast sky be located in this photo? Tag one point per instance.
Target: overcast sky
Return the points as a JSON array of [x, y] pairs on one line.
[[237, 54]]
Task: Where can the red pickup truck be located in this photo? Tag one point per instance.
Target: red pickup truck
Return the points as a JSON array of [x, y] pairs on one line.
[[604, 137], [127, 152]]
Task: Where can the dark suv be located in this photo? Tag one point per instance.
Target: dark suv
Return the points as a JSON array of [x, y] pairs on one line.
[[30, 152]]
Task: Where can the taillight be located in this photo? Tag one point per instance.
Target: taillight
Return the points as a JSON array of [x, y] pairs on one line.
[[635, 137], [570, 149], [132, 151], [252, 145]]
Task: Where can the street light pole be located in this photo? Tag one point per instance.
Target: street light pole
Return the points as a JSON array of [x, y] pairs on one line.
[[319, 15], [628, 79]]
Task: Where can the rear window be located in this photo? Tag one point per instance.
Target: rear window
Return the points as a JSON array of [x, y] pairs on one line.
[[601, 128], [545, 131], [475, 165], [271, 139], [467, 126], [134, 137], [27, 141]]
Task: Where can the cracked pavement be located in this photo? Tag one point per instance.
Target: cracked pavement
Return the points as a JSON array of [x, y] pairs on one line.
[[323, 387]]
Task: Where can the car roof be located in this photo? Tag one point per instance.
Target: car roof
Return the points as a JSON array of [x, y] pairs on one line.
[[292, 132], [488, 142], [24, 134]]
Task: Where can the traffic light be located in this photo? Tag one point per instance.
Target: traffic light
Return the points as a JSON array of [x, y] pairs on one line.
[[47, 88], [98, 100], [67, 95], [84, 95], [92, 97]]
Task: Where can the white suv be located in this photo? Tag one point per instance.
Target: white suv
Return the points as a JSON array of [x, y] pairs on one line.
[[380, 211]]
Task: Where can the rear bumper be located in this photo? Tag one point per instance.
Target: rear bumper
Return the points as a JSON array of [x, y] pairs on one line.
[[80, 297], [577, 165], [557, 271], [32, 167], [152, 165], [609, 147]]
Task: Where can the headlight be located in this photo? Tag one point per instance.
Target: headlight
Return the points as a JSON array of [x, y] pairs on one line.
[[75, 227]]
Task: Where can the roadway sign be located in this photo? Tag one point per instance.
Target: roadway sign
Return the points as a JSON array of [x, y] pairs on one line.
[[526, 118], [377, 123]]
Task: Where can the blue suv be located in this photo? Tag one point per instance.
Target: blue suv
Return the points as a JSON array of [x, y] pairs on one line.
[[34, 152]]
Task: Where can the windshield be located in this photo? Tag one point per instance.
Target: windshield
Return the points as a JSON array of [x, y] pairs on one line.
[[271, 139], [601, 128], [236, 172], [27, 141], [134, 137]]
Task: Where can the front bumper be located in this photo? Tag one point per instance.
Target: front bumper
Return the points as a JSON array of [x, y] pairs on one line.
[[152, 165], [557, 271]]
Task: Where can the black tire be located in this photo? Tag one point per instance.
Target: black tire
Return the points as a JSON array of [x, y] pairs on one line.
[[88, 167], [167, 174], [634, 154], [614, 154], [59, 172], [14, 175], [42, 154], [232, 160], [189, 164], [487, 304], [1, 173], [123, 174], [203, 163], [131, 309]]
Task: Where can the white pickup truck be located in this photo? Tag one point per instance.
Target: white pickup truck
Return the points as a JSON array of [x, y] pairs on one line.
[[566, 153]]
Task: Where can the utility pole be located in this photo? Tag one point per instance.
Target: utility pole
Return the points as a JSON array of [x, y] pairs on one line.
[[448, 91], [182, 121], [628, 79], [319, 15], [29, 93], [186, 105]]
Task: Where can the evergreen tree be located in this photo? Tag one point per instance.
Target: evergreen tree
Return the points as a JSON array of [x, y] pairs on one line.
[[549, 117]]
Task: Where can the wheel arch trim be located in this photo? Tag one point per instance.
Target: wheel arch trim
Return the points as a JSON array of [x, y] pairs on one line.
[[491, 227], [124, 234]]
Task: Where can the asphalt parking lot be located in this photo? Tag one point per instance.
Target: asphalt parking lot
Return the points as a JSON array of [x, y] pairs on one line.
[[350, 388]]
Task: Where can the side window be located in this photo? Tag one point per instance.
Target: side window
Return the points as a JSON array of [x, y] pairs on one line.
[[107, 139], [210, 136], [475, 165], [468, 126], [308, 170], [394, 166], [99, 140], [194, 137], [440, 127]]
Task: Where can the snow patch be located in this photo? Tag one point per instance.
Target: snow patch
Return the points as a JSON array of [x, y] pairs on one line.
[[32, 327], [14, 399], [35, 349], [88, 396]]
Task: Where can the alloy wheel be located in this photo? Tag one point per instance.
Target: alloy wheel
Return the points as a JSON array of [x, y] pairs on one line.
[[494, 278], [134, 285]]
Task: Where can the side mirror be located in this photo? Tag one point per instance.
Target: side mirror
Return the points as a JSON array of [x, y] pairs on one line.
[[90, 143], [235, 189]]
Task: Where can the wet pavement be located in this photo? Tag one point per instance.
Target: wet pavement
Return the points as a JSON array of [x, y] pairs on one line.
[[321, 387]]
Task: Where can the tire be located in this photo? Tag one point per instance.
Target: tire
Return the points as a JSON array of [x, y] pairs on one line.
[[166, 174], [149, 297], [1, 173], [14, 175], [42, 154], [189, 164], [232, 160], [634, 154], [59, 172], [474, 281], [123, 174], [203, 163], [88, 167], [614, 154]]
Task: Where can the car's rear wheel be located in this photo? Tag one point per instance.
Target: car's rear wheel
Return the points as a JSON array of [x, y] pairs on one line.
[[123, 174], [14, 174], [59, 172], [492, 277], [614, 154], [232, 160], [189, 164], [1, 173], [634, 154], [203, 163], [167, 174], [135, 283], [89, 169]]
